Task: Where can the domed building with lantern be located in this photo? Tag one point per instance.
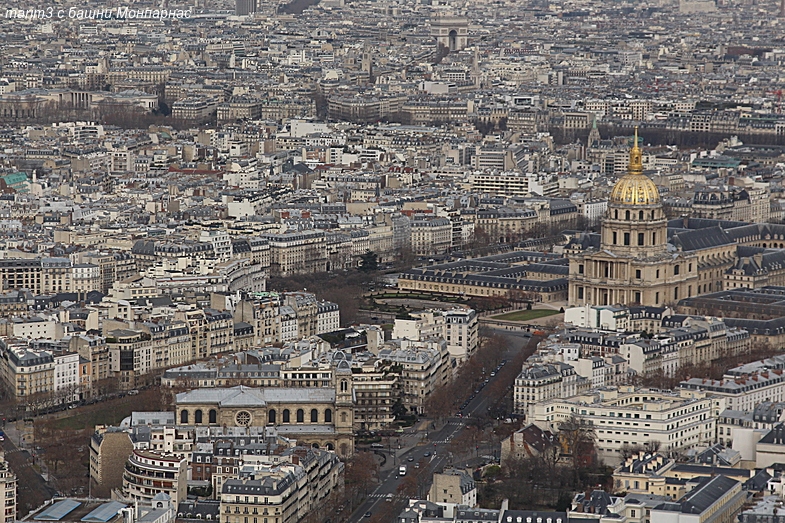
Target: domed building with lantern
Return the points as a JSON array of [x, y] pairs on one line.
[[633, 263]]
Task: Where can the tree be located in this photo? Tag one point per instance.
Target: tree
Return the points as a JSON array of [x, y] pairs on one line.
[[399, 409], [577, 439], [361, 471], [369, 262]]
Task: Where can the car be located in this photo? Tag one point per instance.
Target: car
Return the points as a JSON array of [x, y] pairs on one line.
[[410, 459], [368, 514], [492, 374], [416, 465], [426, 455], [2, 438], [389, 497]]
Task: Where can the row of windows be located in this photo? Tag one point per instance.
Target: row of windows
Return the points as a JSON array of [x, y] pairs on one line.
[[212, 416]]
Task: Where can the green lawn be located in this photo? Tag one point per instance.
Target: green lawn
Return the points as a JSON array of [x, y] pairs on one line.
[[110, 412], [525, 315], [109, 416]]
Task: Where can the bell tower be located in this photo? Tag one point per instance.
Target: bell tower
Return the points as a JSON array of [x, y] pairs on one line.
[[344, 408]]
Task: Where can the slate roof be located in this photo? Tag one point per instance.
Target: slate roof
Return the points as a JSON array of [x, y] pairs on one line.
[[701, 498], [702, 239]]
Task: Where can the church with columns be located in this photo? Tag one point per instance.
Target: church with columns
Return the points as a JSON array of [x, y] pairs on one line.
[[634, 263]]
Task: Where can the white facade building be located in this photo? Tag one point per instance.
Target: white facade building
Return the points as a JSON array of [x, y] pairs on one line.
[[628, 416], [66, 379], [540, 382], [222, 245], [598, 317], [459, 327], [328, 317]]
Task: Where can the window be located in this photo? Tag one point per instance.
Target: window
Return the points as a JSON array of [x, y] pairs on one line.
[[580, 293], [676, 293], [656, 297], [314, 416], [271, 417], [212, 416], [676, 270], [328, 416], [581, 268], [654, 238], [637, 297], [286, 415], [184, 416], [626, 215], [640, 215], [640, 238], [638, 273], [626, 238], [657, 273], [300, 416], [198, 416], [614, 237]]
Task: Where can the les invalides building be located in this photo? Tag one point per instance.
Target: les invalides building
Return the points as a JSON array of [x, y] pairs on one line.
[[634, 264]]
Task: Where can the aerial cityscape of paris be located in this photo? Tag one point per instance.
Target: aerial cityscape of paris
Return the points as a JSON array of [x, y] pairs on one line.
[[392, 261]]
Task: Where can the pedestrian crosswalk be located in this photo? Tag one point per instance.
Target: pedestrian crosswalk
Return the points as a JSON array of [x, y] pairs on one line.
[[377, 496]]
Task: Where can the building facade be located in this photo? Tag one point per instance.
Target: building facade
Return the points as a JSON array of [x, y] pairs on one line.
[[633, 264]]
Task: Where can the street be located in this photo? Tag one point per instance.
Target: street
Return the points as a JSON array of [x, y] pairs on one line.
[[32, 490], [434, 442]]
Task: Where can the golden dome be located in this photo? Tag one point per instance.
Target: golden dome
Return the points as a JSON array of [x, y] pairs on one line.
[[635, 188]]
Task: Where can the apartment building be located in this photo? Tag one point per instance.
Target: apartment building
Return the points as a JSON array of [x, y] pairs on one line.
[[86, 277], [211, 331], [95, 350], [459, 327], [26, 373], [742, 392], [110, 448], [17, 274], [282, 488], [148, 473], [297, 253], [67, 377], [306, 309], [130, 355], [718, 500], [8, 488], [425, 367], [540, 382], [56, 275], [430, 235], [170, 343], [328, 317], [644, 474], [376, 391], [628, 416]]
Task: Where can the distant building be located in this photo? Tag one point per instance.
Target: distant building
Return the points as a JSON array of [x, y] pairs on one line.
[[454, 486], [718, 500], [245, 7]]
